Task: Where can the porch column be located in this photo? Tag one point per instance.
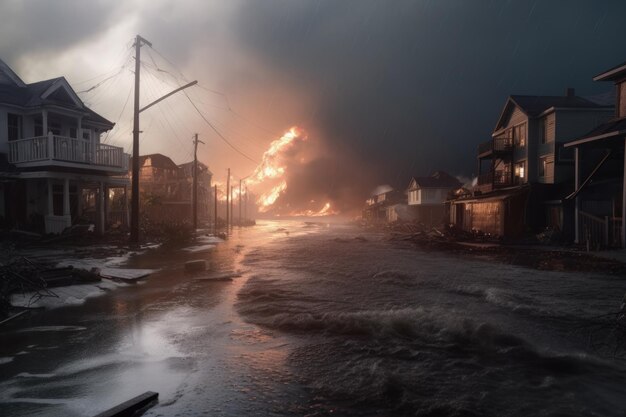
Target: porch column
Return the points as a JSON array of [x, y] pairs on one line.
[[100, 208], [577, 198], [107, 205], [126, 207], [79, 127], [624, 200], [44, 121], [50, 199], [66, 197]]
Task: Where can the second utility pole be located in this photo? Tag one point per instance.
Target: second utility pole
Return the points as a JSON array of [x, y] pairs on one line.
[[228, 199], [194, 196]]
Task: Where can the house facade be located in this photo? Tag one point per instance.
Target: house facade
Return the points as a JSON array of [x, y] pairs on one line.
[[377, 205], [52, 159], [525, 171], [166, 188], [427, 197], [599, 195]]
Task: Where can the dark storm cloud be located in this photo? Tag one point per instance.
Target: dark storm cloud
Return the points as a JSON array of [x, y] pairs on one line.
[[413, 86], [33, 26]]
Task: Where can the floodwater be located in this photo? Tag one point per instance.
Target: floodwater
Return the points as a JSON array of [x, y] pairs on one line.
[[324, 319]]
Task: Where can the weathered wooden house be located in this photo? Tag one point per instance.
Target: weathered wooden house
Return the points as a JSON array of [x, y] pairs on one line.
[[427, 197], [166, 188], [382, 198], [205, 191], [600, 176], [51, 154], [525, 171]]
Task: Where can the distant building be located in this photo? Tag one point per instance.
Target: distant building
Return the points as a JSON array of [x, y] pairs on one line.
[[205, 190], [525, 171], [380, 200], [166, 189], [53, 163], [427, 197], [599, 195]]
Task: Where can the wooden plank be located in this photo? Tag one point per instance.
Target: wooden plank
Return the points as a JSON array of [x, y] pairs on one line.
[[130, 407], [14, 316], [125, 274]]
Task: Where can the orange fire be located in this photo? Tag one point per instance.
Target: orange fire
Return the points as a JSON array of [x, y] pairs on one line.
[[272, 167], [267, 200], [324, 211]]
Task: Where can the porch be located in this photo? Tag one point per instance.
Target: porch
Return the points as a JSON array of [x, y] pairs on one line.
[[50, 202], [61, 150]]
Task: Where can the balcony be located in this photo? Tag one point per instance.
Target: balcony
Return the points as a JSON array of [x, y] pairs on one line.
[[66, 151], [491, 181], [495, 146]]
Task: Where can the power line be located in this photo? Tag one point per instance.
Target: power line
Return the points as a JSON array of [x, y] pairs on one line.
[[218, 132]]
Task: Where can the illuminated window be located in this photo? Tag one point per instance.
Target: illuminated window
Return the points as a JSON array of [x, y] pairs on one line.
[[520, 170], [519, 135]]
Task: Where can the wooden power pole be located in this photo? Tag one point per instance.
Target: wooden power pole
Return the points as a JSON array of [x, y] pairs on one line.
[[239, 203], [215, 210], [194, 197], [134, 204], [228, 199], [134, 215]]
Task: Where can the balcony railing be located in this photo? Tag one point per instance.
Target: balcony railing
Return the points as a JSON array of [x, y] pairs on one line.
[[496, 145], [500, 179], [62, 148]]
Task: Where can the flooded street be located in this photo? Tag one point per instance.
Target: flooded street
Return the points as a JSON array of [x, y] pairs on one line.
[[323, 319]]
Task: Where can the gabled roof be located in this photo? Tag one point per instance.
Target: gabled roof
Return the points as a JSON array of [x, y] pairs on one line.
[[7, 76], [439, 179], [611, 129], [158, 160], [533, 106], [616, 73], [188, 167], [55, 91]]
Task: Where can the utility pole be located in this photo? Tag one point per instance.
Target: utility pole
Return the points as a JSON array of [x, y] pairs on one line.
[[215, 210], [246, 207], [134, 217], [227, 199], [231, 205], [239, 203], [195, 181]]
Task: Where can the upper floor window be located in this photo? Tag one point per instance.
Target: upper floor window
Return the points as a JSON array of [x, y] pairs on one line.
[[543, 133], [519, 135], [14, 126], [520, 170]]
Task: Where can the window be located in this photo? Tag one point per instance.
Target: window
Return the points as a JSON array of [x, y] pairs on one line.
[[87, 134], [14, 125], [520, 170], [543, 134], [73, 132], [38, 127], [542, 167], [519, 135]]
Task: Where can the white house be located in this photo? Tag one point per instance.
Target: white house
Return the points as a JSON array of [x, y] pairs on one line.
[[51, 156], [427, 196]]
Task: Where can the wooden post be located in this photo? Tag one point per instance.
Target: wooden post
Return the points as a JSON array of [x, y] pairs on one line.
[[66, 197], [215, 210], [239, 203], [577, 198], [624, 201], [228, 199], [50, 198]]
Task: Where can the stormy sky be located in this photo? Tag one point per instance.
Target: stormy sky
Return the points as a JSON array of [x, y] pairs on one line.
[[387, 89]]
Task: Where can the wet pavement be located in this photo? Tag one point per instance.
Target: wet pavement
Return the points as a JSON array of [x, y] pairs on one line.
[[174, 333]]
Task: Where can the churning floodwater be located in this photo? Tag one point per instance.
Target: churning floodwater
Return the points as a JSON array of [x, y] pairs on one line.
[[324, 319]]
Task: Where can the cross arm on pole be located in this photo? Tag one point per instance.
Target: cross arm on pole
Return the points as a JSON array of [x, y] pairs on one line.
[[167, 95]]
